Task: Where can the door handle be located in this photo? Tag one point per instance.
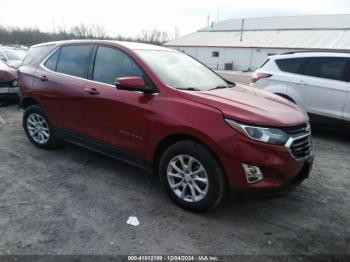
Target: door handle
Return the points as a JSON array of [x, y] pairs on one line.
[[302, 83], [91, 91], [44, 78]]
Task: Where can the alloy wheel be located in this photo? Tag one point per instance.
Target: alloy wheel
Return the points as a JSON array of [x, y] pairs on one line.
[[38, 128], [187, 178]]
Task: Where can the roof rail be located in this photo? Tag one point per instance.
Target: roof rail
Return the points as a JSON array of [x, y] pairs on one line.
[[316, 51]]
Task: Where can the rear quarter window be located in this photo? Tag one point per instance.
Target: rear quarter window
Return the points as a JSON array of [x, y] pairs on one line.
[[36, 53], [51, 63], [267, 60]]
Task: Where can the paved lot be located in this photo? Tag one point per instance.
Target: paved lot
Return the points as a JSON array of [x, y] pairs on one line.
[[74, 201]]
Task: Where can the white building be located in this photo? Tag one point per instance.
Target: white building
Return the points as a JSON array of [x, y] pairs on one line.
[[246, 43]]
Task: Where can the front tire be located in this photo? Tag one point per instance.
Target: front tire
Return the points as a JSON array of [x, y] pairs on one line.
[[38, 129], [191, 176]]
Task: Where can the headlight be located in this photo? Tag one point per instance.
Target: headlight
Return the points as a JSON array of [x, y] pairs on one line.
[[14, 83], [263, 134]]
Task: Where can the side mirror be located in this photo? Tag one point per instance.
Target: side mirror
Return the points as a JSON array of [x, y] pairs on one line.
[[132, 83]]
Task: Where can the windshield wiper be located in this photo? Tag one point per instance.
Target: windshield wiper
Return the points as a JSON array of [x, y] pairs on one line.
[[189, 89], [221, 87]]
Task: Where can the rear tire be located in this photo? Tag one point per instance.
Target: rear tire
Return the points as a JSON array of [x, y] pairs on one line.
[[38, 128], [191, 176]]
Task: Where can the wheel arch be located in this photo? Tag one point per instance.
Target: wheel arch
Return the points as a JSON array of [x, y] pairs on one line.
[[28, 101], [277, 88], [167, 141], [286, 97]]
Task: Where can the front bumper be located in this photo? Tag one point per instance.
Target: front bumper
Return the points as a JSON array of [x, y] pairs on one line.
[[288, 186], [281, 171], [300, 177], [6, 92]]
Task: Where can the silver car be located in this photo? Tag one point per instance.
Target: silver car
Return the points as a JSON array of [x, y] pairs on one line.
[[12, 56]]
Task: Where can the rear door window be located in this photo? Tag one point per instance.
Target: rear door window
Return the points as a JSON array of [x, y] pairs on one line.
[[73, 60], [111, 63], [290, 65], [326, 67]]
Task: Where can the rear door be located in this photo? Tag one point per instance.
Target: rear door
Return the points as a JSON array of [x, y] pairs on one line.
[[288, 79], [321, 86], [60, 83]]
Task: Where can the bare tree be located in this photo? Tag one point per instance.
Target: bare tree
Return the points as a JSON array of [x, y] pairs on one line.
[[80, 31], [89, 31], [31, 36], [153, 36], [97, 31]]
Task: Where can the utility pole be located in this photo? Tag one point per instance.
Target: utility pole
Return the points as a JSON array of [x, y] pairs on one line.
[[242, 30], [177, 33], [208, 19]]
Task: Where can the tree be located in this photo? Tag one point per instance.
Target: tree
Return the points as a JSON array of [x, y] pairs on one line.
[[154, 36], [31, 36]]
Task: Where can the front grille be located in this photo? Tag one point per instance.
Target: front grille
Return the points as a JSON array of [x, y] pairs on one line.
[[300, 145], [297, 131], [5, 84]]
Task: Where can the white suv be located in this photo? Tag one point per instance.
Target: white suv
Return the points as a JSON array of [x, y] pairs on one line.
[[318, 82]]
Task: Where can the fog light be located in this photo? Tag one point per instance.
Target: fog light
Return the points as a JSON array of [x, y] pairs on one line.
[[252, 173]]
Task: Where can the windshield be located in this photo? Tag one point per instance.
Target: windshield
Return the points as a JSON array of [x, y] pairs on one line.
[[13, 54], [180, 71], [3, 65]]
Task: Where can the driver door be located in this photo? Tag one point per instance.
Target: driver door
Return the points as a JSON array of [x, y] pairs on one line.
[[117, 117]]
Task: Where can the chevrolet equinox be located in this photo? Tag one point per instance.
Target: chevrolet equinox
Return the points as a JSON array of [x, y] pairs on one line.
[[161, 110]]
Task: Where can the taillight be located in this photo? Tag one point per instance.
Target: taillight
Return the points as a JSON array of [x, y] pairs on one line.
[[258, 76]]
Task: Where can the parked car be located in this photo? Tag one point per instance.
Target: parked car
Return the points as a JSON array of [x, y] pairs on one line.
[[318, 82], [12, 56], [161, 110], [8, 83]]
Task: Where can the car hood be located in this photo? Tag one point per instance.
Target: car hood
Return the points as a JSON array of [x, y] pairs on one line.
[[249, 105], [14, 63], [7, 74]]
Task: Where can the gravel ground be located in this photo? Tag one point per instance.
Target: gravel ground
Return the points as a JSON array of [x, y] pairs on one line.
[[237, 76], [74, 201]]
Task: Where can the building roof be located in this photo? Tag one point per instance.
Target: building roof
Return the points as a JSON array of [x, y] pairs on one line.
[[293, 32], [284, 23]]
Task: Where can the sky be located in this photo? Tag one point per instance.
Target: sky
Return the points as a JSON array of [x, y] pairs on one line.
[[130, 17]]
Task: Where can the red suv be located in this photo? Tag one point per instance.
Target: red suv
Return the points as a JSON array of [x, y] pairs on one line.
[[162, 110]]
